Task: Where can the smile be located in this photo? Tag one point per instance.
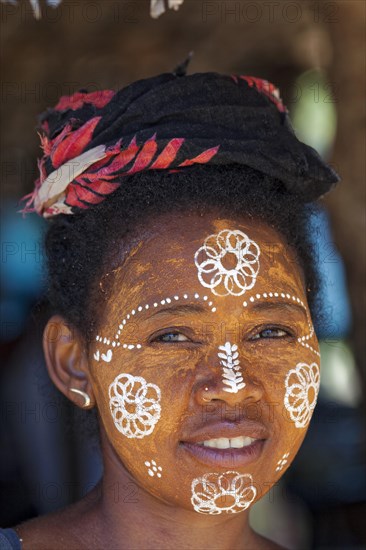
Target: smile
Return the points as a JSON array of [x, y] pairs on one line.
[[223, 453], [228, 457], [225, 443]]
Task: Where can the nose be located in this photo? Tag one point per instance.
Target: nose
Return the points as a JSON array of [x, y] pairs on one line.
[[212, 390], [228, 380]]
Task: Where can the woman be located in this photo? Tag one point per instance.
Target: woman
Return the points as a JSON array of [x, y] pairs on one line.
[[181, 269]]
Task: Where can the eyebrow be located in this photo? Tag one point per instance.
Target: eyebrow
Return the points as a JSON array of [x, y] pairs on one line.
[[258, 306], [179, 310]]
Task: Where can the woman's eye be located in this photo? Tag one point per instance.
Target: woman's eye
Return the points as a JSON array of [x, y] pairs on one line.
[[270, 333], [171, 337]]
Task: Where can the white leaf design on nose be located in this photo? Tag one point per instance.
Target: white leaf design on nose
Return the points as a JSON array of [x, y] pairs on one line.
[[232, 376]]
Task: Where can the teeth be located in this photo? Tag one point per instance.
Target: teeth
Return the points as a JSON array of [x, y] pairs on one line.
[[225, 443], [239, 442], [221, 443]]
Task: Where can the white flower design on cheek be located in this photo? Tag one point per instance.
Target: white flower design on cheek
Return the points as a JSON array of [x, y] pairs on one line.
[[217, 493], [135, 405], [213, 261], [302, 388]]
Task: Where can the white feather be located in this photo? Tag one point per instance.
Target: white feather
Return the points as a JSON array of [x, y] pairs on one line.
[[55, 184]]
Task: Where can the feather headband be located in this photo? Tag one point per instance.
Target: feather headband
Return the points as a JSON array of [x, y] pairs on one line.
[[91, 141]]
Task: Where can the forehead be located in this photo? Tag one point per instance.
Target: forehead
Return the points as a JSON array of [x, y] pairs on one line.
[[164, 258]]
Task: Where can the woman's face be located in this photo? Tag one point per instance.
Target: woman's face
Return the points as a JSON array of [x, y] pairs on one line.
[[206, 366]]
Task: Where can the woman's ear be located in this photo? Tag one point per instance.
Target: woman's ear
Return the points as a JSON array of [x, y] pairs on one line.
[[67, 361]]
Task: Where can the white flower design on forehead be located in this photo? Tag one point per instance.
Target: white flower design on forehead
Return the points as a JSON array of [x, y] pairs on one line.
[[228, 263]]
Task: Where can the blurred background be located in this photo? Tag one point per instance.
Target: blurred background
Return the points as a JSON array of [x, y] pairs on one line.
[[314, 51]]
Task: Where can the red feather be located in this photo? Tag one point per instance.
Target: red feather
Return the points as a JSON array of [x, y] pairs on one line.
[[202, 158], [49, 146], [93, 185], [97, 180], [99, 99], [100, 186], [110, 152], [266, 88], [123, 158], [84, 194], [145, 156], [42, 170], [45, 126], [45, 144], [74, 144], [168, 154], [72, 198]]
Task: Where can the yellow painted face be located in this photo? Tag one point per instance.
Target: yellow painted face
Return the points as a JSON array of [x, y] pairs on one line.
[[205, 367]]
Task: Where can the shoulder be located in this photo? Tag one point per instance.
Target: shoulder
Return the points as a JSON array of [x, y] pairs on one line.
[[43, 533], [71, 527]]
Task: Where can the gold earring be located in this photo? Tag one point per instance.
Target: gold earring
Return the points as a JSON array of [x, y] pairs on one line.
[[205, 398], [83, 394]]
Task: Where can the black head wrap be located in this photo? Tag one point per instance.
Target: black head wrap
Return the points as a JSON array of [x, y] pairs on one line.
[[171, 121]]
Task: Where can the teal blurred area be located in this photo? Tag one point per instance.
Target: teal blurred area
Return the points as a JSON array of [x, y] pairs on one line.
[[22, 269]]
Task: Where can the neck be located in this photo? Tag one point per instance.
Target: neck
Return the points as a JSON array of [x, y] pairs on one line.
[[130, 517]]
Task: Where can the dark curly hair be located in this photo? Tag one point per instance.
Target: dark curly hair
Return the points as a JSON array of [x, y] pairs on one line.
[[80, 247]]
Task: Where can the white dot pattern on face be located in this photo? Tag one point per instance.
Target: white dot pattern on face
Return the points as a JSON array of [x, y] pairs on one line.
[[122, 325], [106, 357], [302, 340], [153, 468], [282, 462], [308, 346]]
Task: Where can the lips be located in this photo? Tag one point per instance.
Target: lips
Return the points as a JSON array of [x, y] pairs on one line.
[[226, 445], [225, 458]]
